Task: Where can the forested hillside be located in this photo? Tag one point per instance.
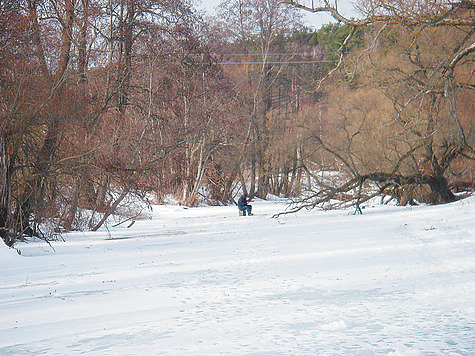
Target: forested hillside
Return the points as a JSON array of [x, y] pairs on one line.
[[107, 100]]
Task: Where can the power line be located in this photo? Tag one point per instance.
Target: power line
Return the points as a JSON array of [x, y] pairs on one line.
[[293, 54], [278, 62]]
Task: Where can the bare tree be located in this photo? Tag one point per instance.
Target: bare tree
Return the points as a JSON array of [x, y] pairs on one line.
[[257, 29], [71, 83], [419, 59]]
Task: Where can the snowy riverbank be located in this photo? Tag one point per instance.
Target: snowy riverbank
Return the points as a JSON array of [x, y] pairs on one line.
[[204, 281]]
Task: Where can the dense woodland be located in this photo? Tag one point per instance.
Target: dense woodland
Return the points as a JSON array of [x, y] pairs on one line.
[[107, 100]]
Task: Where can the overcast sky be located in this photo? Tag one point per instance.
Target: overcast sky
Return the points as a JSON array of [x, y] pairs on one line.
[[311, 19]]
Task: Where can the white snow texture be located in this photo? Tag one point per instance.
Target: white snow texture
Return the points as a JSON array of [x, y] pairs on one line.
[[205, 281]]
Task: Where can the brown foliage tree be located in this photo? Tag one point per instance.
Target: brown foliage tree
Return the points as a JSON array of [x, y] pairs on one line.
[[401, 123]]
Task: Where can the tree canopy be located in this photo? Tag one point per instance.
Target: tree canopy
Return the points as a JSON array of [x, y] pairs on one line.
[[106, 103]]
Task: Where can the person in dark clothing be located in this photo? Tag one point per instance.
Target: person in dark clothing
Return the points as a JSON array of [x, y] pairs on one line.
[[244, 206]]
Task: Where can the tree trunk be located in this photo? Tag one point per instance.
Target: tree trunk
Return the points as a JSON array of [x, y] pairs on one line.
[[243, 183], [127, 40], [74, 204], [100, 201], [295, 163], [82, 49], [188, 154], [112, 209], [297, 174], [36, 39], [5, 189], [264, 157], [441, 190], [67, 38], [200, 170], [253, 174]]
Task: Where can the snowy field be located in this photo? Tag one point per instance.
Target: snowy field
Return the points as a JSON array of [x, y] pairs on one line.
[[204, 281]]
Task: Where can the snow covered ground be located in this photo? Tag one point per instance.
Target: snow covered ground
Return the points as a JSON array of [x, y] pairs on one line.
[[204, 281]]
